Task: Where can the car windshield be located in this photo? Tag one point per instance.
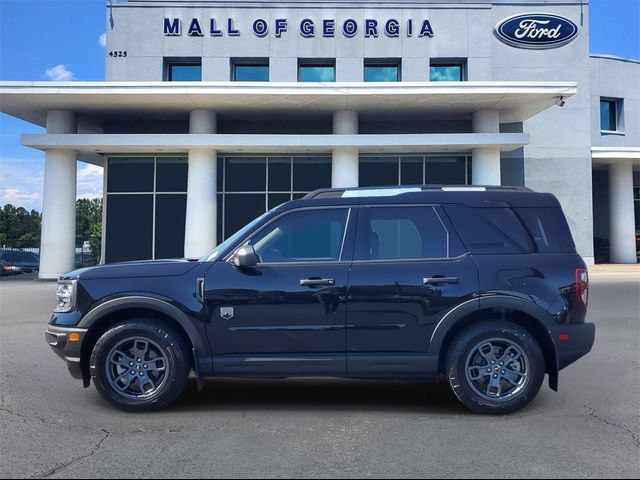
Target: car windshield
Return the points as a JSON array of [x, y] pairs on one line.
[[213, 254]]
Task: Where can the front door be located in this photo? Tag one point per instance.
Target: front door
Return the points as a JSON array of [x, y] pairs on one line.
[[408, 271], [287, 315]]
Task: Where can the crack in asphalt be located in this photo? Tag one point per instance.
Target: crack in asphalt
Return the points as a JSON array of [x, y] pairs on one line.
[[27, 417], [59, 468], [634, 435]]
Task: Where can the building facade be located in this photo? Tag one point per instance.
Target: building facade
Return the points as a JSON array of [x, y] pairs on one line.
[[213, 112]]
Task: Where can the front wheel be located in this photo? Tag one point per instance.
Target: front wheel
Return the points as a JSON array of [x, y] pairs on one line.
[[140, 365], [495, 367]]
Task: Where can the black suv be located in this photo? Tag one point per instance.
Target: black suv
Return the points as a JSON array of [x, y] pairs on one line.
[[478, 285]]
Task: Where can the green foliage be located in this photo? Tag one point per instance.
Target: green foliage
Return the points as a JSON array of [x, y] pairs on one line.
[[22, 228], [16, 223], [88, 214]]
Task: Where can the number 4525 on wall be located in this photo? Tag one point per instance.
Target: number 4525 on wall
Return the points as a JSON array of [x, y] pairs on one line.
[[118, 53]]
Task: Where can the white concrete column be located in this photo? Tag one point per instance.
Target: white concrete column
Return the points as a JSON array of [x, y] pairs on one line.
[[622, 231], [58, 231], [485, 165], [200, 224], [344, 162]]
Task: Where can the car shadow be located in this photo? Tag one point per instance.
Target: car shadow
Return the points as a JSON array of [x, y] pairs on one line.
[[319, 395]]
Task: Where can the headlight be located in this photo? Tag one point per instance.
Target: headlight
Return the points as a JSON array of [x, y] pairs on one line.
[[65, 296]]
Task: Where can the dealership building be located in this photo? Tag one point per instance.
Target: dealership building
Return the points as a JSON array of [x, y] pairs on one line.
[[213, 112]]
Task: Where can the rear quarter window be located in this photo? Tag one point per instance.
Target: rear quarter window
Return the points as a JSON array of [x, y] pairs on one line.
[[494, 230], [548, 228]]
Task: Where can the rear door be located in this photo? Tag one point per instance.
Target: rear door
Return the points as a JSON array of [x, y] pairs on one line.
[[409, 270]]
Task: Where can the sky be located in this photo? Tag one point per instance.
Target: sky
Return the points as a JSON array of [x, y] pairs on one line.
[[63, 40]]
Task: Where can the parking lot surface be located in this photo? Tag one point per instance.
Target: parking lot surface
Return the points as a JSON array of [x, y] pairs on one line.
[[51, 427]]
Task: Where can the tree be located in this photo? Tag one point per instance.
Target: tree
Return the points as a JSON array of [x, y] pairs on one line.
[[88, 214]]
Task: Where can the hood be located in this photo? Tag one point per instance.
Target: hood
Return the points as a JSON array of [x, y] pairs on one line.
[[137, 269]]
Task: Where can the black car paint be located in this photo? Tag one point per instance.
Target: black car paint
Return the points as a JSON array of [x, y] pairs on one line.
[[377, 320]]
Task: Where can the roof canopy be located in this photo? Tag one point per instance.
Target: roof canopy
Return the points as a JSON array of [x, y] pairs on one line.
[[516, 101]]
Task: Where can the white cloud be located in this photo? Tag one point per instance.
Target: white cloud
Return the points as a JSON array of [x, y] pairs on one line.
[[102, 40], [21, 182], [59, 73], [89, 181]]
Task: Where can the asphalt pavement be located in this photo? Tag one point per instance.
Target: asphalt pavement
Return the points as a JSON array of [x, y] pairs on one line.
[[51, 427]]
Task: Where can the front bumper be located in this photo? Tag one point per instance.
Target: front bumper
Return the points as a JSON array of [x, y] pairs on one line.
[[69, 351], [581, 337]]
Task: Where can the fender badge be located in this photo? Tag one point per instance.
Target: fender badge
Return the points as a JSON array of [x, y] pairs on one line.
[[226, 312]]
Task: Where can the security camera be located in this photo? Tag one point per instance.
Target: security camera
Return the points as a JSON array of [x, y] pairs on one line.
[[559, 101]]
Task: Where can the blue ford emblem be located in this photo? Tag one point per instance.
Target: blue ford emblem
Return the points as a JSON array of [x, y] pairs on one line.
[[536, 30]]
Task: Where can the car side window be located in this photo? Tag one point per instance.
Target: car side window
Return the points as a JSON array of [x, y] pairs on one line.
[[313, 235], [397, 233]]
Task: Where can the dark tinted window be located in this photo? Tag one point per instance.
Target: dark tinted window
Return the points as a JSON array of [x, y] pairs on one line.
[[246, 174], [311, 173], [171, 175], [241, 209], [446, 170], [548, 228], [170, 217], [130, 175], [400, 233], [309, 235], [129, 227], [490, 230], [411, 171], [378, 171], [279, 174]]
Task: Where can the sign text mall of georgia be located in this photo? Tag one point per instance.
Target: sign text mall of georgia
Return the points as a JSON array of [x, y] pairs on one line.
[[213, 112]]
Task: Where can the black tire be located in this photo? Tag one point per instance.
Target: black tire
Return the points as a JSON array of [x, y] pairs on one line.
[[171, 355], [465, 351]]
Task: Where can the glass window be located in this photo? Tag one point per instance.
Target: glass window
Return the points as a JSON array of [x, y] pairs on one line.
[[446, 72], [276, 199], [490, 230], [381, 72], [170, 217], [130, 175], [184, 72], [446, 171], [608, 115], [171, 175], [309, 235], [250, 72], [246, 174], [241, 209], [386, 233], [317, 72], [129, 227], [311, 173], [411, 171], [279, 174], [378, 171], [548, 228]]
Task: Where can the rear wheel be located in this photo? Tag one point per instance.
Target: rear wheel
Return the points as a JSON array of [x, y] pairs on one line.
[[495, 367], [140, 365]]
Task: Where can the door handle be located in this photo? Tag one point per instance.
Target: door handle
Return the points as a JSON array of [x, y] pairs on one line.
[[439, 279], [316, 282]]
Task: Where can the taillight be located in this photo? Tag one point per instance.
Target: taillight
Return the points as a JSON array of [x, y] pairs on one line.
[[582, 286]]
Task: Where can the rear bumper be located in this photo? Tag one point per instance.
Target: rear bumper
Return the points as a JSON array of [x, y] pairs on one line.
[[580, 340], [69, 351]]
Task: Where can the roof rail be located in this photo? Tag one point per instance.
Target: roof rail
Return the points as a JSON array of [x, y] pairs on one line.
[[354, 192]]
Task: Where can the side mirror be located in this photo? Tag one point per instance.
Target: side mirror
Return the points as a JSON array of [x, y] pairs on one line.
[[245, 257]]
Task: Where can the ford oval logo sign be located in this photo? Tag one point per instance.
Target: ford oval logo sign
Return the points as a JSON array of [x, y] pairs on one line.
[[536, 30]]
